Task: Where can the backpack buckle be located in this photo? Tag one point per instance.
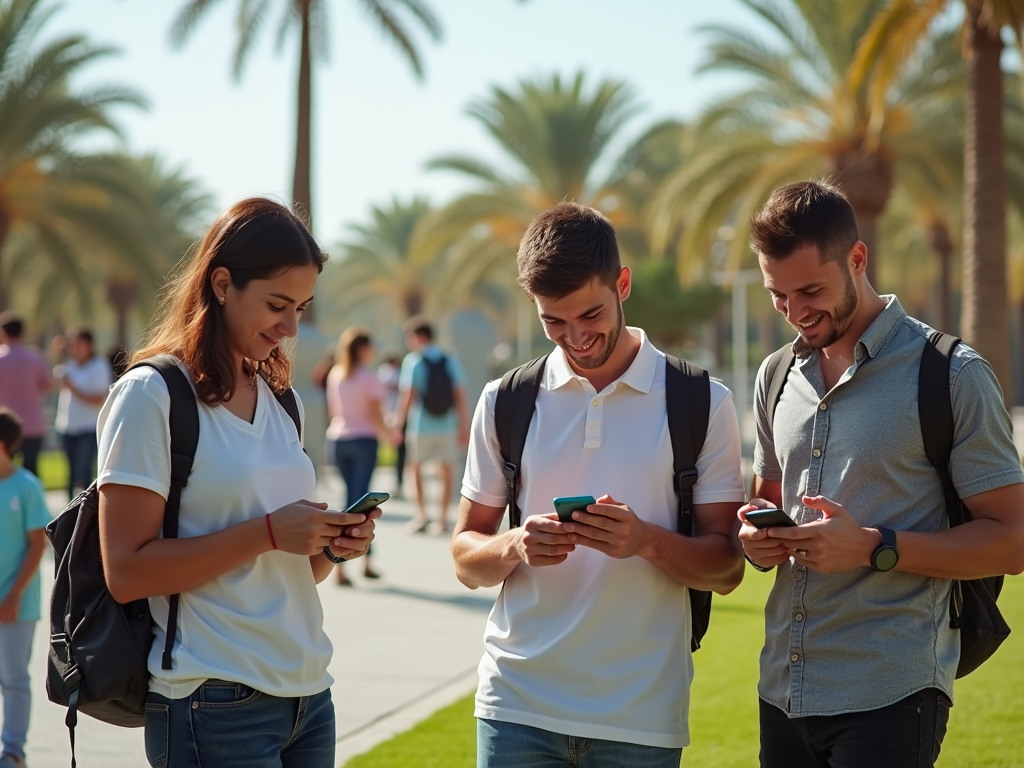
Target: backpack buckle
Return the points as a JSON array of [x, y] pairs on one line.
[[72, 677], [510, 471], [685, 480]]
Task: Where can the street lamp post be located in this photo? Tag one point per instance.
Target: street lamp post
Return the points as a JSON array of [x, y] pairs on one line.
[[739, 280]]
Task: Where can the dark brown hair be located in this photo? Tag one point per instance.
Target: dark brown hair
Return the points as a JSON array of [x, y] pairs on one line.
[[805, 213], [12, 324], [565, 248], [350, 346], [254, 239], [420, 326], [10, 430]]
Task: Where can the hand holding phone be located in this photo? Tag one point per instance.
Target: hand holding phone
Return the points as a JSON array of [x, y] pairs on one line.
[[769, 518], [566, 505], [360, 506]]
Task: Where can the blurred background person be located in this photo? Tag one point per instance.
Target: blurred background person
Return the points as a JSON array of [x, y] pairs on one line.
[[85, 379], [355, 407], [432, 406], [24, 379], [389, 374]]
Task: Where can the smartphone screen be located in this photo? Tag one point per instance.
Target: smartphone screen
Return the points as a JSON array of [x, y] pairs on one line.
[[566, 505], [769, 518]]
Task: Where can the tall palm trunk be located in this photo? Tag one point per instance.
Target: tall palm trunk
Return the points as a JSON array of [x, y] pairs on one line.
[[984, 323], [942, 244], [866, 179], [5, 227], [302, 196]]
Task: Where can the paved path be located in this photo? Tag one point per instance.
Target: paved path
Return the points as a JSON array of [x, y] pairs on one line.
[[403, 647]]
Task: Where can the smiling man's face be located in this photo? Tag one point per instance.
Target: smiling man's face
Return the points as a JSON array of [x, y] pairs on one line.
[[819, 299], [587, 323]]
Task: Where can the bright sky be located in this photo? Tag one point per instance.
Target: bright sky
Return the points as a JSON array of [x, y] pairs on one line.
[[375, 125]]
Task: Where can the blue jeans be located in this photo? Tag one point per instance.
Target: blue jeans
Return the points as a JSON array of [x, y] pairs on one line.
[[81, 452], [509, 745], [15, 650], [229, 725], [356, 459]]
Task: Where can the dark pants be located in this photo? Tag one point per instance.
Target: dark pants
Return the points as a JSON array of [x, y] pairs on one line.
[[907, 734], [81, 451], [400, 459], [30, 447], [356, 460]]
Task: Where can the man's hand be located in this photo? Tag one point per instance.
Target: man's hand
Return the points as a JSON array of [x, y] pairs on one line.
[[832, 544], [611, 527], [544, 540], [9, 608], [766, 552]]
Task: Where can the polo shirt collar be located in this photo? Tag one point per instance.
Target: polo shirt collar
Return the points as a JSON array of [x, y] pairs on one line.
[[639, 376], [874, 338]]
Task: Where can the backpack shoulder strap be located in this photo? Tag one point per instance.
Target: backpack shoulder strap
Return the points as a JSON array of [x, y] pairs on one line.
[[935, 412], [776, 374], [184, 427], [513, 412], [291, 406], [688, 403]]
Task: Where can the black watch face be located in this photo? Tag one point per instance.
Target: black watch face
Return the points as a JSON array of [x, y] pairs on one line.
[[886, 559]]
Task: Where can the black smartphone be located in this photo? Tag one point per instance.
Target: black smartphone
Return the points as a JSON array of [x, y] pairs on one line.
[[566, 505], [769, 518], [368, 502]]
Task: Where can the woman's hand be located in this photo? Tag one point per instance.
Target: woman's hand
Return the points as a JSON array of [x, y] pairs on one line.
[[306, 527], [354, 540]]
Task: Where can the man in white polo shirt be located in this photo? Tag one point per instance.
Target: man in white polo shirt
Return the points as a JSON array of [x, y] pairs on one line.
[[587, 649]]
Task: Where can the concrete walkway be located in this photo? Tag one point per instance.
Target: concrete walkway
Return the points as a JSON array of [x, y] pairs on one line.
[[404, 646]]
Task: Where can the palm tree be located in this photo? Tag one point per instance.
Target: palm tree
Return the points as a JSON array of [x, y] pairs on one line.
[[555, 134], [52, 198], [802, 118], [311, 18], [892, 40], [378, 263]]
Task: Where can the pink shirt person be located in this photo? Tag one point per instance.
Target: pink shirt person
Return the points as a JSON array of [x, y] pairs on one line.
[[24, 378], [352, 403]]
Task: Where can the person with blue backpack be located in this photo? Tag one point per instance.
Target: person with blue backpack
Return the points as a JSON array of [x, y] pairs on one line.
[[432, 407], [587, 650], [888, 446], [238, 664]]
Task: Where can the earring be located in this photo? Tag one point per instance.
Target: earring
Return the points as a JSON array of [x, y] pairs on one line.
[[221, 300]]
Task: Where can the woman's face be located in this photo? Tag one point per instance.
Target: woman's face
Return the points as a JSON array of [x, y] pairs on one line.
[[367, 354], [259, 316]]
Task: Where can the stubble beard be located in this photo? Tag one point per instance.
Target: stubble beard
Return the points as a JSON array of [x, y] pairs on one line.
[[841, 316], [611, 339]]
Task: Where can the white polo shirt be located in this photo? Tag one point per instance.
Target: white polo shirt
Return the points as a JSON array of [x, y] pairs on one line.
[[597, 647]]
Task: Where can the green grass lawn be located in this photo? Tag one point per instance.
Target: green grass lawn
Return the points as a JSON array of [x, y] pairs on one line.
[[53, 470], [985, 730]]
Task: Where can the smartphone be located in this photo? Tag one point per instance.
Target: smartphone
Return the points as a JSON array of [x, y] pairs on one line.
[[368, 502], [566, 505], [769, 518]]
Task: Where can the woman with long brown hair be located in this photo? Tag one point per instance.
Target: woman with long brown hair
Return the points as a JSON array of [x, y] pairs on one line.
[[355, 406], [248, 685]]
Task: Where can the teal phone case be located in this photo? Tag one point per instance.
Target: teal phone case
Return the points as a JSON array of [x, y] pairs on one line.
[[566, 505]]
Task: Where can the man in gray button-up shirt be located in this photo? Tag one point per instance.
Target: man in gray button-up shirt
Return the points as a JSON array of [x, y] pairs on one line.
[[859, 658]]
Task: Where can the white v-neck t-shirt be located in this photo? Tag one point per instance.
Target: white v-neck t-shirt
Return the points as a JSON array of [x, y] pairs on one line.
[[597, 647], [260, 624]]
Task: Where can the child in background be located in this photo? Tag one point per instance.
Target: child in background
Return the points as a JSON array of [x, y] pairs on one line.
[[23, 516]]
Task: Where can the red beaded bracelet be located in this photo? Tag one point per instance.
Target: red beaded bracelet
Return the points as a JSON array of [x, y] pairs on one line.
[[270, 531]]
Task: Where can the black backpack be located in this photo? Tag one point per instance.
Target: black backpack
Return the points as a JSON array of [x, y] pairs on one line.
[[972, 604], [99, 648], [688, 401], [439, 395]]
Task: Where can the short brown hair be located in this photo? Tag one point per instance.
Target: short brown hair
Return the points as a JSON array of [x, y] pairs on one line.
[[565, 248], [10, 430], [350, 346], [805, 213], [254, 239], [419, 325]]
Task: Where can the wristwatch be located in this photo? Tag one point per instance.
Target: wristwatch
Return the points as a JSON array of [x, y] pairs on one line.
[[885, 557], [333, 557]]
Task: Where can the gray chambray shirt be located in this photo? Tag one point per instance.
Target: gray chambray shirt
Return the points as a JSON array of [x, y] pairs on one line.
[[861, 640]]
